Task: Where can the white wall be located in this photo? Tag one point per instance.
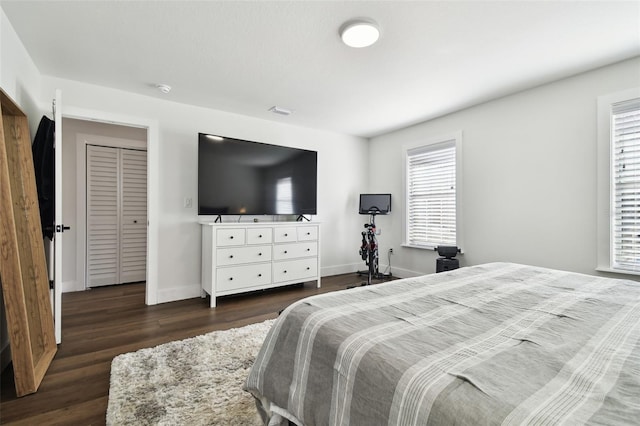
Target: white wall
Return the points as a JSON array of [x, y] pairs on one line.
[[342, 174], [20, 79], [529, 175]]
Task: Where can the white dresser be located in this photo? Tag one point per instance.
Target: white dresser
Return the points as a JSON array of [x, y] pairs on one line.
[[241, 257]]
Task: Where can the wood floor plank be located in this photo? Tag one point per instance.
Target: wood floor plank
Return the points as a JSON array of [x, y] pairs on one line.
[[102, 323]]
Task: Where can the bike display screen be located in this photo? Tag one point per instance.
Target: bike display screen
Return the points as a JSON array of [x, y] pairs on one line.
[[375, 203]]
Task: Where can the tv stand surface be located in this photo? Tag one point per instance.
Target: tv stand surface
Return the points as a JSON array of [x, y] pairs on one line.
[[243, 257]]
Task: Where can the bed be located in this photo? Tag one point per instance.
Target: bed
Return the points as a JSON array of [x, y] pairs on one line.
[[491, 344]]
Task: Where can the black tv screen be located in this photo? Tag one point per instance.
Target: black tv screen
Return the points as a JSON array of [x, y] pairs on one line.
[[239, 177], [375, 203]]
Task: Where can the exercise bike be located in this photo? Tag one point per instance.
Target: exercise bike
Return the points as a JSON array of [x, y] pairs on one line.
[[369, 250], [372, 205]]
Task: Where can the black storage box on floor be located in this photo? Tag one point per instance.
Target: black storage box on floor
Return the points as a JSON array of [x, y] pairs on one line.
[[443, 264]]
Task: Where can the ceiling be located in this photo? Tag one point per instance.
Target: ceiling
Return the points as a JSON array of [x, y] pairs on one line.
[[433, 57]]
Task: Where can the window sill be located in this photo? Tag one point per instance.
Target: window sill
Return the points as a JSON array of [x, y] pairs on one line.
[[429, 247], [418, 247], [617, 271]]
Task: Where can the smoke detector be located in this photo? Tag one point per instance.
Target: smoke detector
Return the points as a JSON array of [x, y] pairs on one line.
[[164, 88]]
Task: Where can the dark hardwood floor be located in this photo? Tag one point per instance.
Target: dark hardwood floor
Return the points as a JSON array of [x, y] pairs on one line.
[[102, 323]]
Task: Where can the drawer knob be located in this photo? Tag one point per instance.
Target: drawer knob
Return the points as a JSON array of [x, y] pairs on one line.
[[285, 252], [285, 272], [231, 237], [308, 268], [259, 275], [308, 249], [286, 235], [260, 236], [231, 257], [259, 254], [308, 233], [230, 278]]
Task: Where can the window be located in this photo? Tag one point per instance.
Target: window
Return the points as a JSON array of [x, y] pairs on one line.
[[619, 182], [433, 192], [284, 196], [625, 164]]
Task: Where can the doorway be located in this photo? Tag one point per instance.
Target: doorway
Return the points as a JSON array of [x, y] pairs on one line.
[[78, 135]]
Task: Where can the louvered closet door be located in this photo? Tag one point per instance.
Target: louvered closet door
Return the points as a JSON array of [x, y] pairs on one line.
[[103, 225], [116, 215], [133, 236]]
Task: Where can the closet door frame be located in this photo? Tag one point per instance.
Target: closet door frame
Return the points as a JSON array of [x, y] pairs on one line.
[[82, 140]]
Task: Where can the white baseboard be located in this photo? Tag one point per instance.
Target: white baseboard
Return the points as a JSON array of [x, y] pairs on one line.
[[69, 286], [328, 271], [401, 273], [354, 267], [178, 293], [165, 295], [194, 290]]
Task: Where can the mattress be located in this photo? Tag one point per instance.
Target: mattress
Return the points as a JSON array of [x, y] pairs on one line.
[[491, 344]]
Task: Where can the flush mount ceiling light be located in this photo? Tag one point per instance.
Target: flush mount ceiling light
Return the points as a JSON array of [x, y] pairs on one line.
[[164, 88], [280, 110], [359, 33]]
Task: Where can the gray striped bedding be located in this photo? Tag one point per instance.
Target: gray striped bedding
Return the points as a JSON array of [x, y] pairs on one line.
[[486, 345]]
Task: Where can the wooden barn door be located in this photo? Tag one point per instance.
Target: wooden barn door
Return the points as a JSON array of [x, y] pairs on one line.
[[116, 215], [23, 269]]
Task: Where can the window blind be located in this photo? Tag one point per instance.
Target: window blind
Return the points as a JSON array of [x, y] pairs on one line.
[[431, 195], [626, 186], [284, 196]]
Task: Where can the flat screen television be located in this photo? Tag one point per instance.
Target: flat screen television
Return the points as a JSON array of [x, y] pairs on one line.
[[375, 203], [239, 177]]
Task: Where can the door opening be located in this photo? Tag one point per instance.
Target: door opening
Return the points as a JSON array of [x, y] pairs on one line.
[[78, 136]]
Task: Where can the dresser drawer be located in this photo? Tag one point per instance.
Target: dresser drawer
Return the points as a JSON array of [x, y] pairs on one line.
[[295, 270], [285, 235], [230, 237], [295, 250], [237, 277], [307, 233], [259, 236], [239, 255]]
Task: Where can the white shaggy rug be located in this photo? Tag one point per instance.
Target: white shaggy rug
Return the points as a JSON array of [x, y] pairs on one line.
[[196, 381]]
